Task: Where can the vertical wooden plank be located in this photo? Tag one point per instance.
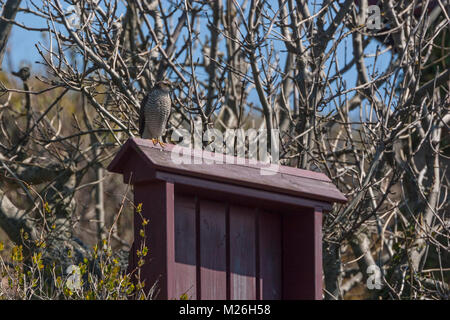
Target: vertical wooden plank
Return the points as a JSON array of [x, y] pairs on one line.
[[242, 253], [270, 262], [169, 191], [198, 284], [212, 250], [258, 281], [157, 202], [227, 233], [185, 247], [302, 255], [296, 268], [318, 267]]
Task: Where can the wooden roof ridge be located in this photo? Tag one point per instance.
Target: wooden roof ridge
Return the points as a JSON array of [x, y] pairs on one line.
[[241, 171], [229, 159]]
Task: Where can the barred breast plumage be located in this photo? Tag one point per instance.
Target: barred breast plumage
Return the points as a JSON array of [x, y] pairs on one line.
[[155, 111]]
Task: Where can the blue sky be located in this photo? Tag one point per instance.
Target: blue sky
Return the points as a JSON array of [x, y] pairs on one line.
[[22, 44]]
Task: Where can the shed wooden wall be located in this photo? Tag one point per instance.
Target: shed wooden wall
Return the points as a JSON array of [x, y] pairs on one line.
[[221, 249], [229, 258]]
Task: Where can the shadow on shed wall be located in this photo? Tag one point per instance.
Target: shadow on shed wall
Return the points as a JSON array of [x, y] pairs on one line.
[[240, 250]]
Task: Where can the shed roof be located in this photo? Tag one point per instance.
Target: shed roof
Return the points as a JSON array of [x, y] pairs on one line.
[[225, 169]]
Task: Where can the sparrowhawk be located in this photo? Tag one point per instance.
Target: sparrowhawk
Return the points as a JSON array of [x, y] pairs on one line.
[[154, 112]]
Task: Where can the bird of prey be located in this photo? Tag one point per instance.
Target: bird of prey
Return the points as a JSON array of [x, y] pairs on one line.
[[154, 112]]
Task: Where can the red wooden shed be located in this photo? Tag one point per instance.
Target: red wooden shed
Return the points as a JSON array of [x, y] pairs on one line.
[[224, 230]]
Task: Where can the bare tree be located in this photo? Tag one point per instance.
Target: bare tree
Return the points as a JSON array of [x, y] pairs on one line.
[[368, 107]]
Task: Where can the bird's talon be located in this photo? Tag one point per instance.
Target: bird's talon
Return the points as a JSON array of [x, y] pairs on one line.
[[157, 141]]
